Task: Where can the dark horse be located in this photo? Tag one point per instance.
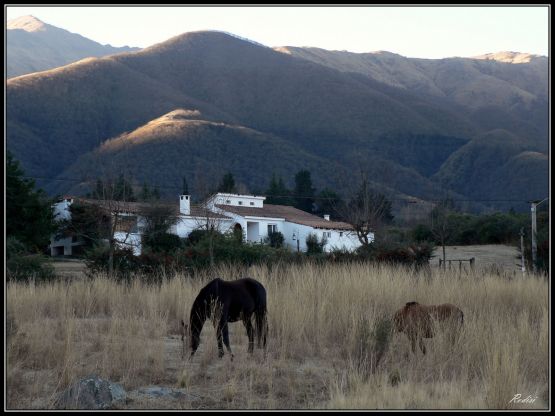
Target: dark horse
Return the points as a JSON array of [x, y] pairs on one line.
[[229, 302]]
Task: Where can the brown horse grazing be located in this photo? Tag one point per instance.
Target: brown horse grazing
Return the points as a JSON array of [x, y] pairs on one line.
[[415, 320], [229, 302]]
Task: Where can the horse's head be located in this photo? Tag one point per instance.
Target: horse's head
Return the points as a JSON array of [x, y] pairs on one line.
[[402, 316], [399, 321]]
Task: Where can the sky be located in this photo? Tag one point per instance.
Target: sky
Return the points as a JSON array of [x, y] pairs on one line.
[[417, 32]]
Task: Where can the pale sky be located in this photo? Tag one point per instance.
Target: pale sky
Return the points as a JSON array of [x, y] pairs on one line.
[[423, 32]]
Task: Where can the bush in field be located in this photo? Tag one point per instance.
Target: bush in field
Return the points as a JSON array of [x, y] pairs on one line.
[[14, 247], [162, 242], [314, 245], [421, 233], [125, 263], [417, 255], [275, 239], [22, 267], [195, 236], [227, 249]]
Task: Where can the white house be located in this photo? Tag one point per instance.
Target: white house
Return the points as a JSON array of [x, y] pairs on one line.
[[247, 214]]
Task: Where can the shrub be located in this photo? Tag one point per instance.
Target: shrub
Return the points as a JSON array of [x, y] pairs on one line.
[[21, 267], [275, 239], [14, 247], [315, 246], [162, 242], [195, 236], [125, 263], [422, 233]]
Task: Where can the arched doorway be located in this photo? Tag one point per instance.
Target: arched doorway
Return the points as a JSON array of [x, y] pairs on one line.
[[238, 232]]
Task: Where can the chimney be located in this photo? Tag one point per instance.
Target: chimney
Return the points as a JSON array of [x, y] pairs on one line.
[[185, 204], [327, 217]]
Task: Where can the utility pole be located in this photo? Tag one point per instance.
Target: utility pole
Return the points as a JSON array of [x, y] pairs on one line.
[[534, 244], [533, 209], [523, 265]]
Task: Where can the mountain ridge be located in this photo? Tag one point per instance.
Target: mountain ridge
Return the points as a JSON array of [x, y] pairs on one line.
[[33, 46], [336, 120]]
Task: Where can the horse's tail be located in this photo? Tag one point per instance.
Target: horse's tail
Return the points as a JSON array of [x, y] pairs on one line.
[[261, 324], [261, 316]]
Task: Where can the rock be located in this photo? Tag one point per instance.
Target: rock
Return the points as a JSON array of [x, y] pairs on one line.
[[167, 395], [92, 392]]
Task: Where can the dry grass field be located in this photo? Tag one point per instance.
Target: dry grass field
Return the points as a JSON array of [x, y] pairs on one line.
[[325, 324]]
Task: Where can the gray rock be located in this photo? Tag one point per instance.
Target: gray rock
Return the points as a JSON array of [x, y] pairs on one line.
[[92, 392], [165, 393]]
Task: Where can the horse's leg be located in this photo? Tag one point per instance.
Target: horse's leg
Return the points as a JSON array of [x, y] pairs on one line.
[[219, 334], [225, 334], [412, 339], [250, 333], [422, 345]]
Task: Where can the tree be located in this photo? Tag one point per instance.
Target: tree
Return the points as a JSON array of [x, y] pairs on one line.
[[227, 184], [277, 193], [29, 216], [304, 192], [156, 193], [367, 212], [115, 211], [158, 219], [208, 220], [441, 226], [117, 190], [145, 194], [185, 187], [327, 203], [88, 222]]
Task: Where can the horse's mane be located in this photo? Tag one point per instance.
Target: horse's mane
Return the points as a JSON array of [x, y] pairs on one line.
[[208, 292]]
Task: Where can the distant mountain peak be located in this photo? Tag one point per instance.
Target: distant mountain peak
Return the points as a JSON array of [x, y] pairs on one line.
[[508, 57], [28, 23]]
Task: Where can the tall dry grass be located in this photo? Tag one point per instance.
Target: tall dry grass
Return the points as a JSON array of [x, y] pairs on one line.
[[329, 346]]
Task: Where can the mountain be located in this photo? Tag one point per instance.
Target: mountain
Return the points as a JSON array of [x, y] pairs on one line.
[[506, 90], [209, 102], [512, 171], [33, 46]]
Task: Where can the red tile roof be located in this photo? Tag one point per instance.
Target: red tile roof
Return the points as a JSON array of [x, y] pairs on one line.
[[290, 214], [139, 207]]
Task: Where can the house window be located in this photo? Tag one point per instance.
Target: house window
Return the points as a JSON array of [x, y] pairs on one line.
[[228, 201], [240, 202], [127, 224], [272, 228], [252, 203], [340, 233], [327, 234]]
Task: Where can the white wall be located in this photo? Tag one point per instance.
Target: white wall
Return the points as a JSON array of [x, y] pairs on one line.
[[187, 224], [338, 239], [131, 240], [250, 201], [61, 210]]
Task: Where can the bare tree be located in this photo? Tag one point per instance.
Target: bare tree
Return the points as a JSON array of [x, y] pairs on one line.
[[207, 217], [157, 220], [367, 211], [441, 225]]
